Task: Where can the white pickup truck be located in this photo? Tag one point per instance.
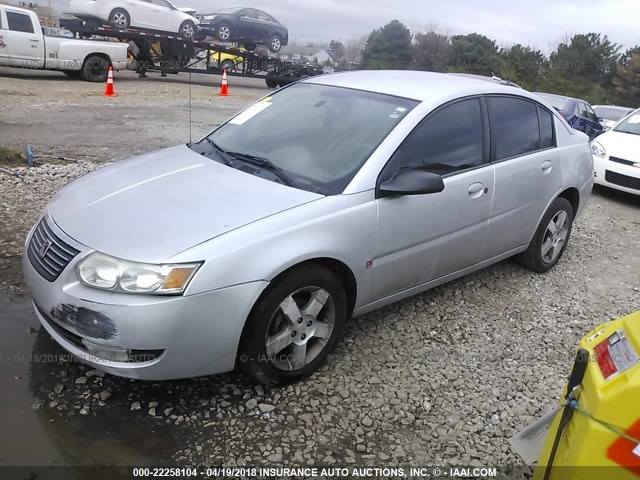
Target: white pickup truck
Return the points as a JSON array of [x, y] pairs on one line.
[[23, 44]]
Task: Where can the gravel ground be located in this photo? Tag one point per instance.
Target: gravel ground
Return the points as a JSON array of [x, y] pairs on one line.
[[443, 378]]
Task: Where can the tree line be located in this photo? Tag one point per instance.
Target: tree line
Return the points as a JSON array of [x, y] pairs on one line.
[[587, 66]]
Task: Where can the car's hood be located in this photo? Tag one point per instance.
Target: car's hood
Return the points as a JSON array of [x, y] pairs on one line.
[[154, 206], [622, 145]]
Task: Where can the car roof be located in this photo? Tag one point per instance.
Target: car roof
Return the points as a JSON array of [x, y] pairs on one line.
[[555, 95], [415, 85]]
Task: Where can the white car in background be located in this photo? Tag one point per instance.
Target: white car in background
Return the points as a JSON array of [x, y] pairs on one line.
[[616, 155], [159, 15], [610, 114]]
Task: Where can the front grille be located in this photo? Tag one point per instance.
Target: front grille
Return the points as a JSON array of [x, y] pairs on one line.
[[621, 160], [622, 180], [48, 254]]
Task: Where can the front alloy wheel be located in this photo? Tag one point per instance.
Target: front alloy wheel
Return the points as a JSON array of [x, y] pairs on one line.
[[188, 29], [300, 328], [294, 326]]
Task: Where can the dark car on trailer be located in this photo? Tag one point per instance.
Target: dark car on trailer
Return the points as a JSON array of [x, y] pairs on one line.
[[578, 113], [248, 26]]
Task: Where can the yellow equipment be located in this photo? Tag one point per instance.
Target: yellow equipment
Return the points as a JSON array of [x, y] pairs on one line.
[[600, 421]]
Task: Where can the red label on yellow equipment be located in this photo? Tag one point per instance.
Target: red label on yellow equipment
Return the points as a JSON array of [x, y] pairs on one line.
[[615, 355], [622, 451]]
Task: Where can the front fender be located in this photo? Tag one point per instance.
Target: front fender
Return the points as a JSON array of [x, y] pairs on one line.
[[341, 227]]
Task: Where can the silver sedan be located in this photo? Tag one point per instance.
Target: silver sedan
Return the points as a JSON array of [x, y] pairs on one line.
[[323, 201]]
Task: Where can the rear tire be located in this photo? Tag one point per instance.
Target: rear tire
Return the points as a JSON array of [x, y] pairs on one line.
[[271, 81], [275, 44], [120, 18], [95, 69], [227, 65], [223, 32], [550, 239], [294, 326]]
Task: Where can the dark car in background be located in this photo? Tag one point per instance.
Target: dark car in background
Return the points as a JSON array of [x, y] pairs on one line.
[[248, 26], [578, 113]]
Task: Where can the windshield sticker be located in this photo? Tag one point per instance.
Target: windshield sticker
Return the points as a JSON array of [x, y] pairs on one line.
[[266, 99], [249, 113], [397, 112], [634, 119]]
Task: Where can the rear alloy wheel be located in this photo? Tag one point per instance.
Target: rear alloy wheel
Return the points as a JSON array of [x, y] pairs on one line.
[[551, 237], [294, 326], [95, 69], [119, 18], [188, 29], [223, 32], [275, 44]]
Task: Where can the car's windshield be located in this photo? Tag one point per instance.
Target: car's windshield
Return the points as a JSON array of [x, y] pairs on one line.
[[611, 113], [559, 103], [631, 124], [319, 136]]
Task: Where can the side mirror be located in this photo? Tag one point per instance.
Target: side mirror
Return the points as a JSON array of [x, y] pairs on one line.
[[600, 119], [412, 182]]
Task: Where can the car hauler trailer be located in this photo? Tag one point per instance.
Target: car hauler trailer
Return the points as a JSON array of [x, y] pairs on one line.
[[170, 53]]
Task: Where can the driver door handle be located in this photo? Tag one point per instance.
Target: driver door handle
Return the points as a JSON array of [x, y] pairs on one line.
[[476, 190]]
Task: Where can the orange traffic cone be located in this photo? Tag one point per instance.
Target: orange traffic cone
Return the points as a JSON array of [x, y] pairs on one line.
[[108, 91], [224, 89]]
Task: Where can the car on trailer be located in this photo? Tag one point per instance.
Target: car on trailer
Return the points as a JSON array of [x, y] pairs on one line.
[[250, 26], [159, 15]]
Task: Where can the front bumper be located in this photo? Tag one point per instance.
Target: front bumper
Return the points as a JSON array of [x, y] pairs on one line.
[[164, 337], [615, 175]]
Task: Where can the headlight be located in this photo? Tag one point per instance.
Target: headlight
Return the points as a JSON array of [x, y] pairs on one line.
[[109, 273], [597, 149], [208, 17]]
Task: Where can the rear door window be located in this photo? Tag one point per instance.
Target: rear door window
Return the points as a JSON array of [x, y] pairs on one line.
[[514, 125]]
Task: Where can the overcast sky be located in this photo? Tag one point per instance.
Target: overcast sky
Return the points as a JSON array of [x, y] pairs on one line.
[[539, 23]]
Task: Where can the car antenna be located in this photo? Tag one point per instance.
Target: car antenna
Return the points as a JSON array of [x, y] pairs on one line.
[[190, 137]]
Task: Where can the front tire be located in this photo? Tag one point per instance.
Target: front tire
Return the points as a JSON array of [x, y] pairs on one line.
[[120, 18], [188, 29], [551, 237], [95, 69], [294, 326]]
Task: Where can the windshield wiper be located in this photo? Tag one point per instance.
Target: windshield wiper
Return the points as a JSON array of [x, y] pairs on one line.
[[265, 163], [223, 154]]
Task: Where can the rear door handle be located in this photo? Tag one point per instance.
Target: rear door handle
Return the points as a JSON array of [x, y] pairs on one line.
[[546, 166], [476, 190], [34, 40]]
